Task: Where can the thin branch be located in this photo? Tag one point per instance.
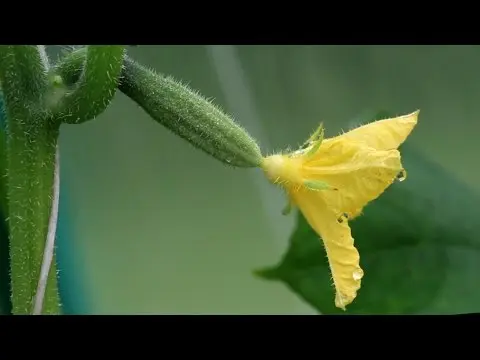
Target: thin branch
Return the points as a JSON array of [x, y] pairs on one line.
[[50, 242]]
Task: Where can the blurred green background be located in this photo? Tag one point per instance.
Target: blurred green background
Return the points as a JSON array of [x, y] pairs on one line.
[[160, 227]]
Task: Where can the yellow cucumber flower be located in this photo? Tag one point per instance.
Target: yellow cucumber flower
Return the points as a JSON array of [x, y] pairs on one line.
[[331, 181]]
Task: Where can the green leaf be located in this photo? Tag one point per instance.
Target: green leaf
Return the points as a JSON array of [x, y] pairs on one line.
[[5, 303], [418, 245], [3, 159]]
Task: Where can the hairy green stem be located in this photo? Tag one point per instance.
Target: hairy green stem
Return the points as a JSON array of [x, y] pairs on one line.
[[31, 164], [70, 67], [181, 110], [37, 101], [95, 88], [189, 115], [27, 67], [31, 145]]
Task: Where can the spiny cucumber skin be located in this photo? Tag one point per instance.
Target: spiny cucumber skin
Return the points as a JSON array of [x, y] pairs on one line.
[[180, 109], [190, 116]]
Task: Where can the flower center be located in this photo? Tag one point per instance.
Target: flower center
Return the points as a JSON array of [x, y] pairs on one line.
[[282, 169]]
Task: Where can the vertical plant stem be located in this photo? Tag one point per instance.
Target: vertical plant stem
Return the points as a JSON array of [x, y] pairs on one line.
[[49, 250], [31, 165], [31, 67], [31, 146], [37, 101]]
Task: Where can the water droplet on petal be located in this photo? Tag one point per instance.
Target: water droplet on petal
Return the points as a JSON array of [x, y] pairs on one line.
[[340, 301], [357, 274], [402, 175]]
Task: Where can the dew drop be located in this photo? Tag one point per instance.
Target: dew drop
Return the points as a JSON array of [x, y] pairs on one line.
[[402, 175], [357, 275]]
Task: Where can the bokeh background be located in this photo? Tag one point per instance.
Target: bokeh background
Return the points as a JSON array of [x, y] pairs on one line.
[[156, 226]]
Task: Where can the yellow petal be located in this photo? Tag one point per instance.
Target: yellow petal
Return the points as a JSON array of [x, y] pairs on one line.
[[343, 257], [332, 180], [384, 134], [359, 173]]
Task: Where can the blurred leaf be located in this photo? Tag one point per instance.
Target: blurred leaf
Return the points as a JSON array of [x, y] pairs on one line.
[[5, 304], [418, 246], [3, 158]]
